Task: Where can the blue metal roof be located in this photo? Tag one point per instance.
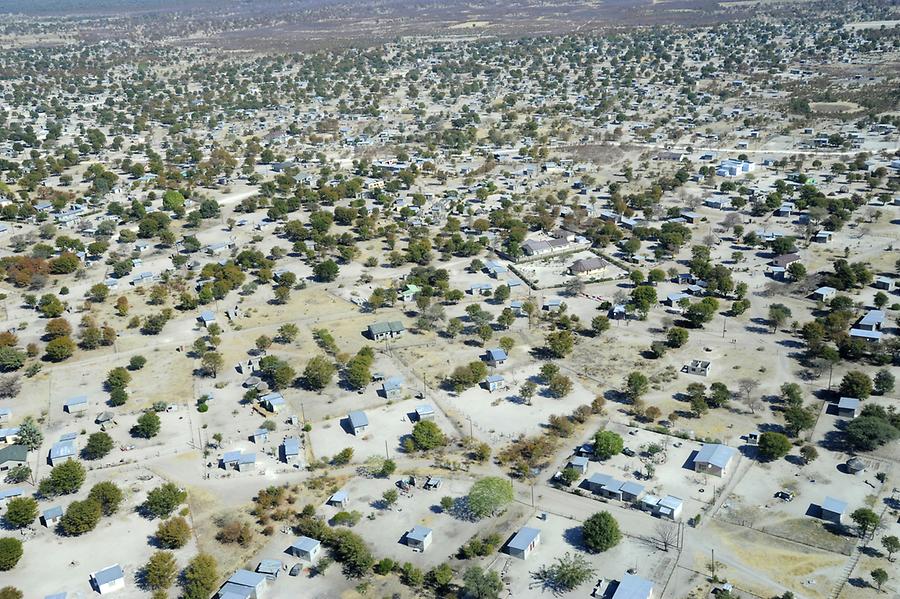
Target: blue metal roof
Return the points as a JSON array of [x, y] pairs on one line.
[[109, 574], [247, 458], [339, 497], [231, 456], [424, 409], [268, 566], [291, 446], [716, 454], [633, 587], [305, 544], [496, 354], [62, 449], [11, 492], [51, 513], [74, 401], [418, 533], [395, 382], [358, 419], [246, 578], [524, 538], [833, 505]]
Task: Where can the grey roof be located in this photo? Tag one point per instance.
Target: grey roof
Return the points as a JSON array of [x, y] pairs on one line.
[[848, 403], [305, 544], [268, 566], [418, 533], [496, 353], [833, 505], [246, 578], [51, 513], [358, 418], [230, 590], [632, 488], [633, 587], [671, 502], [247, 458], [291, 446], [599, 479], [395, 382], [379, 328], [74, 401], [108, 574], [13, 453], [57, 596], [494, 378], [872, 317], [273, 398], [524, 538], [716, 454], [579, 460]]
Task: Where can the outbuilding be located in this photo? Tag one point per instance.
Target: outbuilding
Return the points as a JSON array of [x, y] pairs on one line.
[[359, 422], [290, 449], [524, 542], [305, 548], [424, 412], [833, 510], [633, 587], [76, 405], [848, 407], [51, 517], [419, 538], [108, 580]]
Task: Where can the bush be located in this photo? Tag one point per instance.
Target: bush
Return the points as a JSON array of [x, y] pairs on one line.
[[10, 553], [600, 532]]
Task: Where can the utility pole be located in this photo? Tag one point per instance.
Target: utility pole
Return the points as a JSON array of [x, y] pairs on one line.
[[713, 563], [724, 321], [387, 455]]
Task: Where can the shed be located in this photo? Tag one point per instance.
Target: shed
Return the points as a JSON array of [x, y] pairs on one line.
[[419, 538], [392, 387], [109, 579], [230, 458], [62, 451], [272, 401], [524, 542], [424, 412], [5, 414], [670, 507], [633, 587], [833, 510], [848, 407], [493, 382], [495, 356], [270, 568], [305, 548], [11, 493], [824, 294], [260, 435], [76, 405], [246, 583], [51, 516], [579, 463], [715, 459], [290, 449], [359, 422], [699, 367], [339, 499], [631, 491], [246, 461]]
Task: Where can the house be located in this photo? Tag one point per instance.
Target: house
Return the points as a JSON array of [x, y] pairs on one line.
[[495, 357], [12, 456], [518, 307], [690, 217], [865, 335], [5, 414], [339, 499], [419, 538], [270, 568], [207, 318], [424, 412], [699, 367], [871, 321], [385, 330], [885, 283], [785, 260], [76, 405], [244, 584], [589, 266], [848, 407], [715, 459], [290, 449], [392, 387], [260, 435], [824, 294], [579, 463], [833, 510], [108, 579], [633, 587], [669, 507], [51, 517], [62, 451], [493, 382], [524, 542], [359, 422], [305, 548], [272, 401]]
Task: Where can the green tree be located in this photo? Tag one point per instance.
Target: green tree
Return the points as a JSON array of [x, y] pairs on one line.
[[326, 271], [798, 418], [566, 573], [10, 553], [773, 446], [64, 479], [163, 500], [11, 359], [173, 533], [160, 570], [29, 434], [891, 544], [856, 384], [599, 324], [81, 517], [9, 592], [880, 577], [600, 532], [147, 426], [108, 495], [318, 373], [99, 445], [778, 315], [560, 343], [636, 385], [200, 577], [865, 520], [481, 584], [21, 511], [59, 349], [427, 435], [489, 495], [607, 444], [884, 382], [677, 336]]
